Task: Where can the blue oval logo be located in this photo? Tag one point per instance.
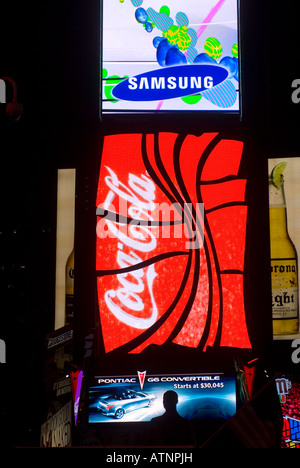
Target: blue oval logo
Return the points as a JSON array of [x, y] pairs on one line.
[[170, 82]]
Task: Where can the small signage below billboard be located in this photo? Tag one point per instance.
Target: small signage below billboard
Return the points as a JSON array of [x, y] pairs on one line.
[[136, 398], [57, 431]]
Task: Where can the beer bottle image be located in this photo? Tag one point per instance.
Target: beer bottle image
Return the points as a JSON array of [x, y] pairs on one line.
[[284, 261], [69, 304]]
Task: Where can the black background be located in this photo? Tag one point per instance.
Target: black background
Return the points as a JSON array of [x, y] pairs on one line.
[[51, 49]]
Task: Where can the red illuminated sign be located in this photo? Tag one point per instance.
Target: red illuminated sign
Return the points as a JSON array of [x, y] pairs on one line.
[[289, 392], [171, 225]]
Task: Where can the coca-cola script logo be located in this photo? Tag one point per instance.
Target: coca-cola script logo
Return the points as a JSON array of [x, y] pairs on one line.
[[169, 267], [140, 196]]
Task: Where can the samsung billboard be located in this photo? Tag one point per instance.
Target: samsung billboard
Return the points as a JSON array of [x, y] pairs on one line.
[[161, 56]]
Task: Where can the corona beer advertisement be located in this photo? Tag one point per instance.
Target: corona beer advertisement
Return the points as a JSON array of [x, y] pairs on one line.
[[284, 198], [162, 55], [140, 397]]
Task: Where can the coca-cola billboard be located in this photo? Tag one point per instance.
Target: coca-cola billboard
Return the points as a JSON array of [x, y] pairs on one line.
[[171, 228]]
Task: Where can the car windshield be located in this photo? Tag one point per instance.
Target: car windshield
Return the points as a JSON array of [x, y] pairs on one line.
[[106, 397], [125, 395]]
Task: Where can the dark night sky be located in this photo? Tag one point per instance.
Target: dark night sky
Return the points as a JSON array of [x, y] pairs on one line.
[[51, 50]]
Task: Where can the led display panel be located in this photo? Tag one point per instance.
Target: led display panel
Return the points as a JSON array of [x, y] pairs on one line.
[[170, 55], [142, 397], [288, 389], [170, 244], [284, 209]]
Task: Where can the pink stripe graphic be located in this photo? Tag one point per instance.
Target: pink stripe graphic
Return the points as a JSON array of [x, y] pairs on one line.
[[202, 28], [210, 17]]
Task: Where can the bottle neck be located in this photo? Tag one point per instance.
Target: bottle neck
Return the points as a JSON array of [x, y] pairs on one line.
[[276, 196], [278, 213]]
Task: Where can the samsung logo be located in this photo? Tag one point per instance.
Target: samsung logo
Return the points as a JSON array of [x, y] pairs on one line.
[[170, 82]]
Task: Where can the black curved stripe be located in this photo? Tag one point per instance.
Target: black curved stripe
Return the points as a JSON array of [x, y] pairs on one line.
[[131, 345], [207, 327], [138, 266], [121, 219]]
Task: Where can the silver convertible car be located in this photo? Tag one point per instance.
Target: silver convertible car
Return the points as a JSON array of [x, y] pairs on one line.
[[118, 403]]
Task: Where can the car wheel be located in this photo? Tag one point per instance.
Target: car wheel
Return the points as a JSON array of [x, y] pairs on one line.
[[119, 413]]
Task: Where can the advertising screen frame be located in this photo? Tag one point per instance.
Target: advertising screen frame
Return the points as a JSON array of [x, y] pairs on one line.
[[287, 167], [234, 114], [140, 396]]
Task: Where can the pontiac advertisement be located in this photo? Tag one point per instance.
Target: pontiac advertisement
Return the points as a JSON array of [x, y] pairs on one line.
[[140, 397]]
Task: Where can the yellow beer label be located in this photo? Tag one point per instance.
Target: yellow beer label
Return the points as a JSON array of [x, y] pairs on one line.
[[284, 288]]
